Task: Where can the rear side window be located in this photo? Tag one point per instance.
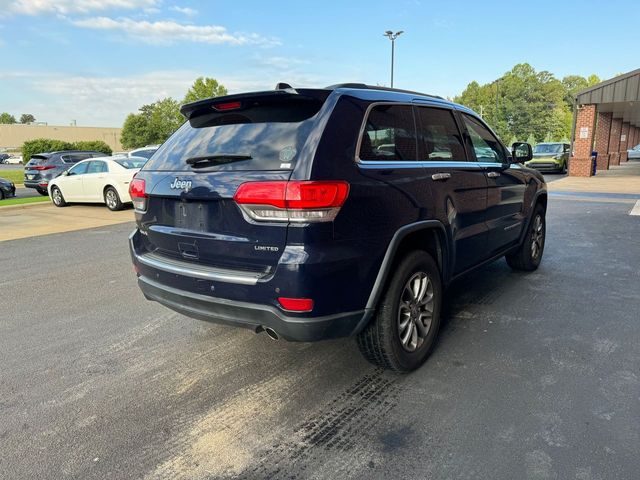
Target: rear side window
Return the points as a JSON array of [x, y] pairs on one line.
[[389, 134], [75, 157], [97, 167], [439, 135], [485, 145], [266, 134]]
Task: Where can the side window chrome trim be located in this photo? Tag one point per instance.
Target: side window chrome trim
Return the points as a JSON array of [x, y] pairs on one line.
[[370, 164]]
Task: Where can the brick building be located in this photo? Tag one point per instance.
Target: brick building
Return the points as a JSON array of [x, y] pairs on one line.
[[606, 120]]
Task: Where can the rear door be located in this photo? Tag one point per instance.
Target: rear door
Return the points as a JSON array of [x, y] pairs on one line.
[[507, 186], [458, 184], [192, 178], [93, 181]]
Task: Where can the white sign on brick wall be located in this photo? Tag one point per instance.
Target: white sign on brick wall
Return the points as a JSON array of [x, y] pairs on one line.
[[623, 138], [584, 132]]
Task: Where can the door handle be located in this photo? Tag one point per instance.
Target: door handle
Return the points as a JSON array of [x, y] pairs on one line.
[[441, 176], [493, 174]]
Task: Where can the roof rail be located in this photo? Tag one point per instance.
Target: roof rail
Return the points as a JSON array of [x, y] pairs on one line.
[[364, 86]]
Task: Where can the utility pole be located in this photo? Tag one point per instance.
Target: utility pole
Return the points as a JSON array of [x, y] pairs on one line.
[[392, 36]]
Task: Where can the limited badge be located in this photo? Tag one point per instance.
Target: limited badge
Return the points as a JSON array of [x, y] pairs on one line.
[[287, 154]]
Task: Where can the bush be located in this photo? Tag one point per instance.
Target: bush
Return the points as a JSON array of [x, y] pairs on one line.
[[42, 145], [96, 145]]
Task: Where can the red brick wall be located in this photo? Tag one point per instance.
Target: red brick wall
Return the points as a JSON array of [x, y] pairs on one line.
[[624, 132], [603, 128], [614, 137], [580, 163]]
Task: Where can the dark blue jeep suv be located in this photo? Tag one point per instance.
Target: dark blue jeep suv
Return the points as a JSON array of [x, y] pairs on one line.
[[320, 213]]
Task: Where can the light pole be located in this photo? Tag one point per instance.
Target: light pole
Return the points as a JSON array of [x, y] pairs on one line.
[[392, 36]]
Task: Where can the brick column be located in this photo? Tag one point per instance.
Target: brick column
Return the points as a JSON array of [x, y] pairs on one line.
[[603, 128], [614, 141], [624, 134], [580, 163]]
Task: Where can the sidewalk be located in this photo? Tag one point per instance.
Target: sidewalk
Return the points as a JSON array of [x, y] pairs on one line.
[[43, 218], [622, 179]]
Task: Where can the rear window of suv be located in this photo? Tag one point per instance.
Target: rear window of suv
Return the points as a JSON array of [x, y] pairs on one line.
[[389, 134], [266, 135]]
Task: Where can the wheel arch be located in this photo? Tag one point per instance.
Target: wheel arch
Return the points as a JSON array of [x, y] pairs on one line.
[[428, 235]]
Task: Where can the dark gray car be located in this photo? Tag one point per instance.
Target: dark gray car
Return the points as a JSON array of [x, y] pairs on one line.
[[43, 167], [7, 188]]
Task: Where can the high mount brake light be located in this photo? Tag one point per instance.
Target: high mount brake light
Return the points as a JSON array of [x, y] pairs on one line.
[[294, 201], [138, 194], [223, 107]]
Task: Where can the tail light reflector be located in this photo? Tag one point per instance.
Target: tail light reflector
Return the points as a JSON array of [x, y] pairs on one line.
[[296, 304], [138, 194], [294, 201], [42, 167]]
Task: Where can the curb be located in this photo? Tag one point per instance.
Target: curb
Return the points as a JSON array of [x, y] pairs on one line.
[[24, 205]]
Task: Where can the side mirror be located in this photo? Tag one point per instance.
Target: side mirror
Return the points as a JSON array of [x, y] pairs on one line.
[[65, 173], [521, 152]]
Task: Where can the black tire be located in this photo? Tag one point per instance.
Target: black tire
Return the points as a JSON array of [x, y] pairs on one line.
[[42, 192], [112, 199], [57, 198], [380, 342], [527, 257], [564, 167]]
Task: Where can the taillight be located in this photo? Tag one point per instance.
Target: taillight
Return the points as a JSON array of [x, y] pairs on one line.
[[294, 201], [42, 167], [296, 304], [138, 194]]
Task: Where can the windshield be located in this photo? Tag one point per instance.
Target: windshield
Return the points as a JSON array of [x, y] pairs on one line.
[[131, 162], [552, 148], [269, 135]]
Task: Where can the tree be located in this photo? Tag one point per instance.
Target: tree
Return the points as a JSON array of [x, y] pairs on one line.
[[204, 87], [27, 118], [527, 104], [7, 118], [154, 124]]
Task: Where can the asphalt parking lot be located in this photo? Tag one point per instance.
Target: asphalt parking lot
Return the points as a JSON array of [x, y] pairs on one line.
[[535, 375]]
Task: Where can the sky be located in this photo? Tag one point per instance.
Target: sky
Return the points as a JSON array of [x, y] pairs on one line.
[[95, 61]]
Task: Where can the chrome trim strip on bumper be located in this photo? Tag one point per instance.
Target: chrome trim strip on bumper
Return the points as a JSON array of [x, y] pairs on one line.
[[187, 269]]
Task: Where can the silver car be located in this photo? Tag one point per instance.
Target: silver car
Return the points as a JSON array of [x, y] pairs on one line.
[[634, 153]]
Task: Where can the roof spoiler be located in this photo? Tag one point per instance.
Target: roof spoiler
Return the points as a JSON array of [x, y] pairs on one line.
[[282, 90]]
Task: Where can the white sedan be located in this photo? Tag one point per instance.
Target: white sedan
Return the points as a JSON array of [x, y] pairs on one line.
[[96, 180]]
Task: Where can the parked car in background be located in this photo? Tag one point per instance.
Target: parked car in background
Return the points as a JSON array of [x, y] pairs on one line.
[[3, 157], [276, 211], [550, 157], [43, 167], [145, 152], [17, 160], [97, 180], [7, 189], [634, 153]]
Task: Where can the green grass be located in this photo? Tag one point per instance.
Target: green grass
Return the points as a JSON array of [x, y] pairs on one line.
[[16, 176], [20, 201]]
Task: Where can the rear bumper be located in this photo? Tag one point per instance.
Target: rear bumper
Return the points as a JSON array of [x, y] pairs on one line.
[[168, 283], [36, 184], [250, 315]]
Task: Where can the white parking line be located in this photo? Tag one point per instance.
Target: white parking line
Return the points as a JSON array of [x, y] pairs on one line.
[[636, 209]]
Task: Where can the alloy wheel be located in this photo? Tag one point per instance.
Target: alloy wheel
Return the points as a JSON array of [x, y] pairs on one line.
[[415, 313], [537, 237], [57, 196], [111, 199]]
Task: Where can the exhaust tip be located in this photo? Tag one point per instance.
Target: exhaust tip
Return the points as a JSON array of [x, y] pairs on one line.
[[273, 335]]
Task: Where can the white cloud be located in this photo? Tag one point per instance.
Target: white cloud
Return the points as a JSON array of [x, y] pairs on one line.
[[189, 12], [166, 32], [64, 7]]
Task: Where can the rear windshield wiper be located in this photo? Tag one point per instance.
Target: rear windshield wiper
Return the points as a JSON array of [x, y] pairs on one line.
[[216, 159]]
